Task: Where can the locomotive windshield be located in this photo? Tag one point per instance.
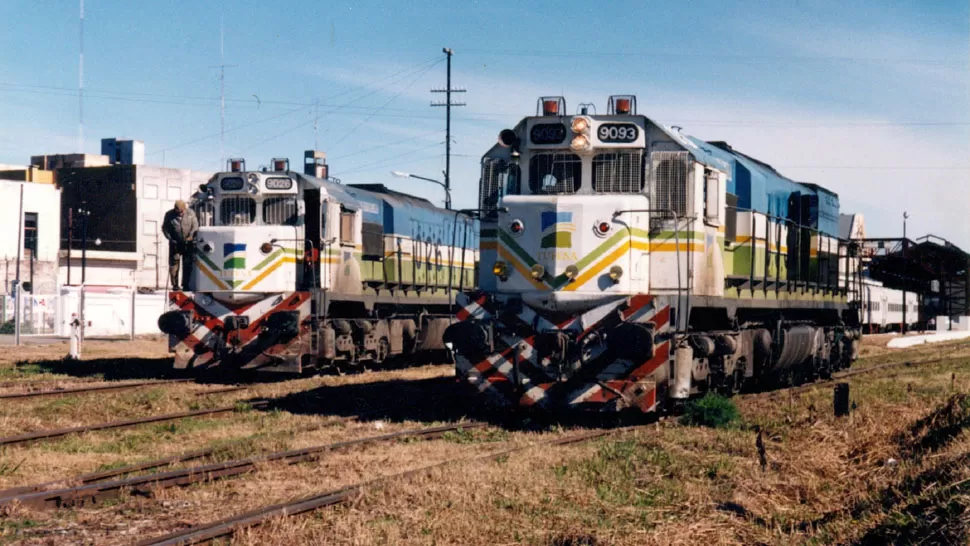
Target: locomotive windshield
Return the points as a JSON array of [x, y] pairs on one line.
[[280, 211], [237, 211], [555, 173]]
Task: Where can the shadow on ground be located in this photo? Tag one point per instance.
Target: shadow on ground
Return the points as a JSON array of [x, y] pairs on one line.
[[112, 369], [428, 400]]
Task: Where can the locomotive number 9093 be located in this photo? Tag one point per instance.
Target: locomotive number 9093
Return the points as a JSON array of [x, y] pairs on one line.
[[617, 132]]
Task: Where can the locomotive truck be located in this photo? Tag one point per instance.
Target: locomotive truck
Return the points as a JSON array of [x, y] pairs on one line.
[[627, 265]]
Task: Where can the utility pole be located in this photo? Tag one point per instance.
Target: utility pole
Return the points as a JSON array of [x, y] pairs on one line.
[[17, 293], [448, 104]]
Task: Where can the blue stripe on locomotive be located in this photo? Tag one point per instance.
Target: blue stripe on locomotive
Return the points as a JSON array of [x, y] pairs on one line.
[[762, 189], [408, 216]]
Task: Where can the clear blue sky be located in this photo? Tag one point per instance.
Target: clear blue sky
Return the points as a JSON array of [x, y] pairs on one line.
[[869, 100]]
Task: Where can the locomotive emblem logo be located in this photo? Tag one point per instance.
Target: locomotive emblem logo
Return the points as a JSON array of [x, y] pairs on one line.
[[235, 255], [557, 229]]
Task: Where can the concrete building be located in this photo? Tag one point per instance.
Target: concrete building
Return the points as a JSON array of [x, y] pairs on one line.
[[122, 151], [123, 206], [53, 162], [27, 174], [36, 232]]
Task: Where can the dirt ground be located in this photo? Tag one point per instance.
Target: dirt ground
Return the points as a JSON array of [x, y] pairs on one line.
[[896, 471]]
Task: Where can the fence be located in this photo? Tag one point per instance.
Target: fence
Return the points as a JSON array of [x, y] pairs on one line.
[[108, 312]]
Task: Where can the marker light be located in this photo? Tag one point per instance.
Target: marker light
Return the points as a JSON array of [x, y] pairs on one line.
[[281, 164], [580, 125], [622, 106], [602, 228], [266, 248], [579, 143], [550, 107], [538, 271], [571, 272], [235, 165], [615, 273], [516, 227]]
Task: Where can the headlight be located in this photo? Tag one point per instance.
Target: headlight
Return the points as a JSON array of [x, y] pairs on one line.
[[571, 272], [580, 125], [501, 270], [615, 273], [253, 189], [538, 271], [579, 143]]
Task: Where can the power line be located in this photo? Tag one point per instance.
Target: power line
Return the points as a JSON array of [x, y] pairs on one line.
[[706, 57], [389, 101]]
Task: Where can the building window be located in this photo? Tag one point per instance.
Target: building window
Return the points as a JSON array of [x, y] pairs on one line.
[[30, 232], [150, 227], [174, 192]]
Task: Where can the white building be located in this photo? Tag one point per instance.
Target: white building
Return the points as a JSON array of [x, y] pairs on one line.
[[36, 231]]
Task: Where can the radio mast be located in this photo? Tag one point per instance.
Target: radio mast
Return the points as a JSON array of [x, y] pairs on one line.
[[448, 90]]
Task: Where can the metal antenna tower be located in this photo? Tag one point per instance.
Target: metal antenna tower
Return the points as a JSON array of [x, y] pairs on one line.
[[316, 118], [222, 66], [80, 85], [448, 90]]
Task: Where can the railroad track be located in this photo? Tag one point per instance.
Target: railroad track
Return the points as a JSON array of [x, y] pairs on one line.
[[112, 387], [225, 527], [56, 433], [144, 485], [95, 477]]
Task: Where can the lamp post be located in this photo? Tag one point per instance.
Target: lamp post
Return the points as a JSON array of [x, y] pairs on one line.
[[905, 245], [84, 214], [400, 174]]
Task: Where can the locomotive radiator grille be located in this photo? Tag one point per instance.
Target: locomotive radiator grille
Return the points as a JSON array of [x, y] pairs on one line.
[[618, 172], [671, 177]]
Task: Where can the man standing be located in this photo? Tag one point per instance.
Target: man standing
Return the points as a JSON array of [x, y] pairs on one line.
[[179, 227]]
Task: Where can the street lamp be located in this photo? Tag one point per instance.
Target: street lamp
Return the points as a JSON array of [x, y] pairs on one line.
[[400, 174], [84, 214]]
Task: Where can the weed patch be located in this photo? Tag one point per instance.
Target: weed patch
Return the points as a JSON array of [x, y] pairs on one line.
[[713, 410]]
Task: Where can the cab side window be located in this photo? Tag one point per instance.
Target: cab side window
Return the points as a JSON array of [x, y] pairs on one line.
[[346, 226]]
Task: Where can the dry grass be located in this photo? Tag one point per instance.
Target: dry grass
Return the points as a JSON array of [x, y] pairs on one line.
[[895, 471]]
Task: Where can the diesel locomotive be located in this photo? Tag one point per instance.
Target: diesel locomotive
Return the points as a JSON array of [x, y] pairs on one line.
[[626, 265], [295, 272]]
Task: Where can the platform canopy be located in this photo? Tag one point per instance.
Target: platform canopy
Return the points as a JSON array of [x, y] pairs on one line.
[[930, 265]]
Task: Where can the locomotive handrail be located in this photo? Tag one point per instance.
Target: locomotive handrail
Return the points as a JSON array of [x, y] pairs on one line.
[[680, 290]]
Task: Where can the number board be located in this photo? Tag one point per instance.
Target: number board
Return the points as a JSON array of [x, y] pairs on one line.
[[231, 184], [548, 133], [617, 132], [279, 183]]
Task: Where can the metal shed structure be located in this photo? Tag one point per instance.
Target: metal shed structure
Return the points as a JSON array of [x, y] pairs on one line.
[[930, 265]]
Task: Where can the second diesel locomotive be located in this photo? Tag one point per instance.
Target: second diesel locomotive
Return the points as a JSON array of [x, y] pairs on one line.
[[626, 265], [295, 272]]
